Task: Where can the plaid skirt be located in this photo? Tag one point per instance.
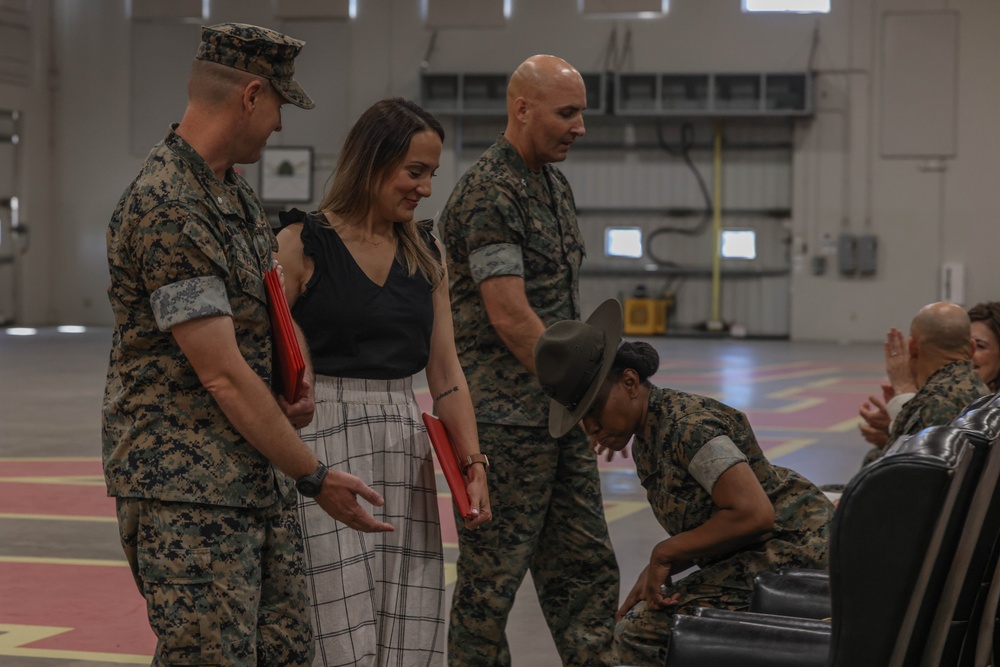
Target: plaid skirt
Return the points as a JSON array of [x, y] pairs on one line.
[[377, 598]]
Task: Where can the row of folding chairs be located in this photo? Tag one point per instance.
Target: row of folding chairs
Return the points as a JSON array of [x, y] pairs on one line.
[[912, 575]]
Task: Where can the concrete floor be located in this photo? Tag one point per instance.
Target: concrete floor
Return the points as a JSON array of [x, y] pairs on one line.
[[66, 598]]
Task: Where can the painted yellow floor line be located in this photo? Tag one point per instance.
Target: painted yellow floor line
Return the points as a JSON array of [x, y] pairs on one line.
[[845, 426], [788, 447], [797, 389], [58, 517], [50, 459], [793, 375], [797, 406], [860, 388], [840, 427], [618, 509], [12, 637], [39, 560], [64, 480], [674, 366], [621, 509], [752, 376], [822, 383]]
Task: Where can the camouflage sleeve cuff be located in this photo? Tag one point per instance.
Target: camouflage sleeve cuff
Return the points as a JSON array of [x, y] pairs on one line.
[[500, 259], [190, 299], [895, 406], [714, 458]]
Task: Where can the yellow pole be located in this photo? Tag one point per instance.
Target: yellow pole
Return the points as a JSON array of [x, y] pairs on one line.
[[716, 322]]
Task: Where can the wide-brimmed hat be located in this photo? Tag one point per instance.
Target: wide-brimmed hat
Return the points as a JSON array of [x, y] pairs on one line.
[[572, 358], [258, 51]]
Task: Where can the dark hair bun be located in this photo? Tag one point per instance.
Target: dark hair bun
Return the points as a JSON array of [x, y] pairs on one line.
[[640, 357]]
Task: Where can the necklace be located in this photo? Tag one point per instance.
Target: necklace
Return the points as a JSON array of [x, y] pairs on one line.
[[374, 243], [360, 234]]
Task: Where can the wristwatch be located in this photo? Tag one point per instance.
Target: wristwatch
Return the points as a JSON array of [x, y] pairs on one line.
[[473, 459], [310, 485]]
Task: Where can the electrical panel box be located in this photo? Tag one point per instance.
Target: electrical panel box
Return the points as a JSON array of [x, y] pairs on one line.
[[867, 254], [847, 253]]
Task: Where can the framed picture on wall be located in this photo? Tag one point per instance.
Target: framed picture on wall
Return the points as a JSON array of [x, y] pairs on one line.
[[286, 174]]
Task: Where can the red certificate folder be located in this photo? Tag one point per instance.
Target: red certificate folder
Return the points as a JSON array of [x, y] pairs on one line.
[[444, 449], [289, 366]]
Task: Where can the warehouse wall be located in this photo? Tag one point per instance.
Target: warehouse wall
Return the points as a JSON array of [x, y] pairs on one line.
[[915, 168]]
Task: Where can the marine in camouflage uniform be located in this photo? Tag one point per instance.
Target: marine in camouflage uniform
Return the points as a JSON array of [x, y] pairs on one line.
[[941, 399], [677, 455], [505, 219], [208, 525]]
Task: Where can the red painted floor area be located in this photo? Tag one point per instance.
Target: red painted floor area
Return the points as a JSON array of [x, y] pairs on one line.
[[100, 604], [79, 489], [788, 405]]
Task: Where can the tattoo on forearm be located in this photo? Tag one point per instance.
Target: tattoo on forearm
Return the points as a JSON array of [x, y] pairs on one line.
[[445, 393]]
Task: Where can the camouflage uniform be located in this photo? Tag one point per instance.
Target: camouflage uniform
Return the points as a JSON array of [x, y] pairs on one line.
[[687, 443], [504, 219], [208, 524], [943, 396]]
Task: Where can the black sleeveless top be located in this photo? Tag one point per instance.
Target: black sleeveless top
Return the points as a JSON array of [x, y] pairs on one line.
[[355, 328]]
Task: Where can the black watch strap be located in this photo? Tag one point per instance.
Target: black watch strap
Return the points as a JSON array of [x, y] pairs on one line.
[[310, 485], [473, 459]]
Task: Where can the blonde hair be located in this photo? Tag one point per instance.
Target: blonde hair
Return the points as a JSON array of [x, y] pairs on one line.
[[375, 146]]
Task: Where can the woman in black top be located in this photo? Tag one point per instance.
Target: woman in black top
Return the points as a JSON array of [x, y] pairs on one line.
[[368, 287]]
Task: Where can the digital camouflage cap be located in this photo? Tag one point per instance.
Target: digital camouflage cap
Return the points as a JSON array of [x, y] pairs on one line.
[[258, 51]]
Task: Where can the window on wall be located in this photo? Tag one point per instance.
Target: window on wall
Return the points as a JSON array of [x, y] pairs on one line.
[[644, 9], [801, 6], [739, 244], [623, 242], [465, 13], [316, 9], [193, 11]]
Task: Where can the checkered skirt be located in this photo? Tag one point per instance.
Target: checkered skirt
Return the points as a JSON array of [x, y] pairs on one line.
[[378, 598]]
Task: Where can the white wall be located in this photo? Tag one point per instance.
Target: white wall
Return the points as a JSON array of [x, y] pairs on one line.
[[923, 211], [34, 101]]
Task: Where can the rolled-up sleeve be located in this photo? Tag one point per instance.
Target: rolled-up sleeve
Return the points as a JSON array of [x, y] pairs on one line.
[[714, 458], [499, 259], [189, 300], [184, 265]]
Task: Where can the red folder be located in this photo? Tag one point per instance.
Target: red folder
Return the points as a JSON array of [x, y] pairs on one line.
[[289, 366], [446, 456]]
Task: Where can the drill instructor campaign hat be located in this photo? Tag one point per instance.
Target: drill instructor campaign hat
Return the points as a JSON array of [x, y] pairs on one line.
[[572, 359], [258, 51]]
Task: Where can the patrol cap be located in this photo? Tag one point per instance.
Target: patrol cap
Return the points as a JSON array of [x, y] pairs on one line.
[[258, 51], [572, 360]]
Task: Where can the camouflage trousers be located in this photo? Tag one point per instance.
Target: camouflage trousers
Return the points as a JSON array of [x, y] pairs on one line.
[[548, 517], [223, 585], [642, 637]]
